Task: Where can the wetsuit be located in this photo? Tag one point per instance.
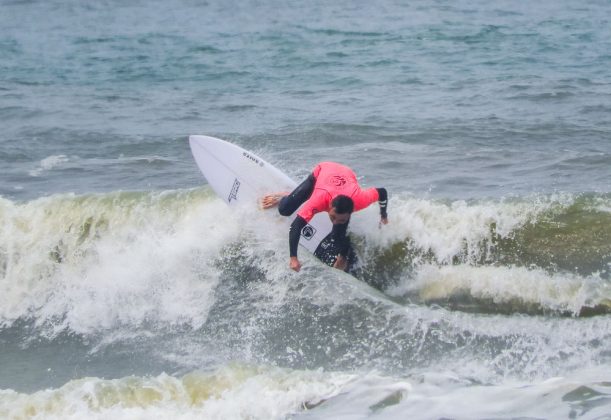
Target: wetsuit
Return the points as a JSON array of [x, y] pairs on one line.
[[327, 181]]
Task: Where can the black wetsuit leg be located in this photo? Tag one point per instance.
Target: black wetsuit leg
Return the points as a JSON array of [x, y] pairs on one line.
[[288, 204]]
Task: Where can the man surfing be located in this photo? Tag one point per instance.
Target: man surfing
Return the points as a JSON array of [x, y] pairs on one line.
[[333, 188]]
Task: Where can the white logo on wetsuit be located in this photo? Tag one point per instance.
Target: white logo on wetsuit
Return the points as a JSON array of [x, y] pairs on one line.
[[308, 232]]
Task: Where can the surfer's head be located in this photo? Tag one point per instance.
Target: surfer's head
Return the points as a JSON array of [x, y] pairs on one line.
[[342, 207]]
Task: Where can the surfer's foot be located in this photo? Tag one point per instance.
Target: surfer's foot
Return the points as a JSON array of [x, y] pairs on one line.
[[271, 200]]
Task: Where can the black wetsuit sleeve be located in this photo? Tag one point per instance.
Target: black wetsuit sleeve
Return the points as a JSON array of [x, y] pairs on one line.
[[383, 201], [341, 238], [289, 203], [295, 233]]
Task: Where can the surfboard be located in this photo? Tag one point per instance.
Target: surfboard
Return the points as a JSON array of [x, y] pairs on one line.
[[241, 178]]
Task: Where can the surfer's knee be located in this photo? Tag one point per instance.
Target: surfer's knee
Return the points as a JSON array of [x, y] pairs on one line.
[[284, 206]]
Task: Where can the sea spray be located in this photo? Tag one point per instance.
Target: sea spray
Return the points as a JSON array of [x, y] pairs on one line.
[[96, 262]]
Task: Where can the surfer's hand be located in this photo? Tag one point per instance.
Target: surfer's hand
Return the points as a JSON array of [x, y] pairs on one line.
[[340, 263], [295, 264], [271, 200], [383, 221]]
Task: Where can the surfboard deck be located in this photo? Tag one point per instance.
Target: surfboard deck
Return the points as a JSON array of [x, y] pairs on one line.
[[240, 177]]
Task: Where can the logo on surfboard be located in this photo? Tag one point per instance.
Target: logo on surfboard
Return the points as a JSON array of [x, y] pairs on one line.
[[233, 195], [308, 232], [253, 158]]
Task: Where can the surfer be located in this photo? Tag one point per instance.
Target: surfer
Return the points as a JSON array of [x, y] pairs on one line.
[[333, 188]]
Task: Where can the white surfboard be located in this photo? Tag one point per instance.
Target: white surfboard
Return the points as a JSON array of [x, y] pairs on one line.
[[240, 177]]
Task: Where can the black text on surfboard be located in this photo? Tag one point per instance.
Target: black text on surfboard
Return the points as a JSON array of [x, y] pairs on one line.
[[233, 195], [254, 159]]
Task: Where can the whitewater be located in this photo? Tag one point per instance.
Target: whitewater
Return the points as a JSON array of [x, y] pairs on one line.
[[129, 290]]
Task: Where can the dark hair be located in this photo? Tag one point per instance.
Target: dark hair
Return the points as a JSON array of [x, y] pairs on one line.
[[343, 204]]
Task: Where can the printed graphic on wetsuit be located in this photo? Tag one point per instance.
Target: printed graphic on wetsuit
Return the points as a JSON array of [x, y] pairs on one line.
[[308, 232]]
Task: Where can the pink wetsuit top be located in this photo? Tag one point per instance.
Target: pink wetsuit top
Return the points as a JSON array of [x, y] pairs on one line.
[[333, 179]]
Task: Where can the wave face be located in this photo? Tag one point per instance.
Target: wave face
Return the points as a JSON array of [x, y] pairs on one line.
[[146, 283], [149, 257], [190, 307], [534, 254]]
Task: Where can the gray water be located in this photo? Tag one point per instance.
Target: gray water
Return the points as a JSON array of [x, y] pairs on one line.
[[130, 290]]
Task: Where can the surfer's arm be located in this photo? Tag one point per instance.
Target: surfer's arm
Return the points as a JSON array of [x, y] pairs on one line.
[[383, 202], [342, 239], [295, 233]]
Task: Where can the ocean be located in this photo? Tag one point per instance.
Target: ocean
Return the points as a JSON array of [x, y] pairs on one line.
[[130, 291]]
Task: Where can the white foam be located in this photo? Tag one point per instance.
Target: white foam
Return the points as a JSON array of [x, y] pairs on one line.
[[444, 395], [48, 164], [239, 392], [448, 229], [233, 392], [100, 262], [559, 292]]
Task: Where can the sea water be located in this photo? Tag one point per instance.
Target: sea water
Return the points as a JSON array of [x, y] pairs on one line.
[[128, 290]]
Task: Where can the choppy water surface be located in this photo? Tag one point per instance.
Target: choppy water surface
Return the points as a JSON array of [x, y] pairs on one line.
[[130, 291]]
